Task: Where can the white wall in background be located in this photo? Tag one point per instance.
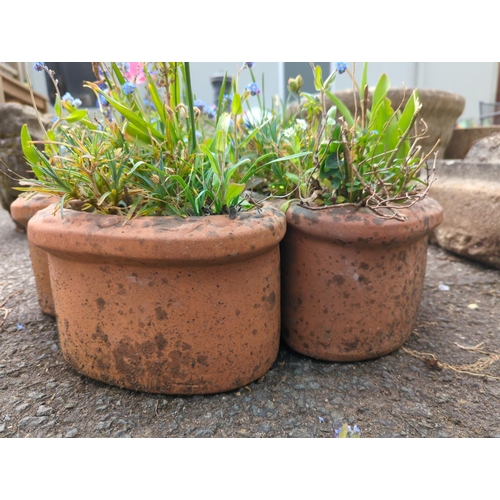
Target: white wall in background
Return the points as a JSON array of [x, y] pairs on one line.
[[476, 81]]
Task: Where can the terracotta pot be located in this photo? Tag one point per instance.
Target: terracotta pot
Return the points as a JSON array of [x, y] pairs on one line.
[[165, 304], [22, 210], [352, 281]]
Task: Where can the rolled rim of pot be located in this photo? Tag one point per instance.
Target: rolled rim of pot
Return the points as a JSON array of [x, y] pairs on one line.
[[162, 240]]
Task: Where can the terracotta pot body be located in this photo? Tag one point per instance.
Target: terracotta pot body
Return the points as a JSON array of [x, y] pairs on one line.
[[165, 304], [22, 210], [352, 281]]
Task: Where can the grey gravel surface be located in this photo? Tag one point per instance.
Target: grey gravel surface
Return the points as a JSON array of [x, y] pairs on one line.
[[417, 391]]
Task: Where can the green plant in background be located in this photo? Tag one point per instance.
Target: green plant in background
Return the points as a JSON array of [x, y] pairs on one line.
[[367, 159], [153, 150]]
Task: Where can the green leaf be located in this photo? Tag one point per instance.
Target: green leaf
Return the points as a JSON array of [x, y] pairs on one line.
[[76, 116], [236, 108], [57, 106], [412, 106], [212, 159], [286, 205], [118, 73], [131, 129], [155, 97], [318, 79], [221, 132], [364, 81], [380, 91], [232, 192], [342, 108], [134, 118], [30, 151]]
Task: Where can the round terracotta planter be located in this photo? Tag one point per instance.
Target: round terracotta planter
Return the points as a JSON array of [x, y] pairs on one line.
[[22, 210], [352, 281], [165, 304]]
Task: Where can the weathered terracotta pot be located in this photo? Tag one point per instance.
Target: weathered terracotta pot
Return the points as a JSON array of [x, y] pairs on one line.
[[352, 281], [165, 304], [22, 210]]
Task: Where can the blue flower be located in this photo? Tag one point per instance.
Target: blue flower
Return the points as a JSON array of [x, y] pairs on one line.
[[341, 67], [226, 98], [210, 112], [201, 105], [124, 66], [199, 135], [249, 65], [67, 97], [102, 101], [149, 104], [76, 103], [129, 87], [39, 66], [20, 327], [253, 88]]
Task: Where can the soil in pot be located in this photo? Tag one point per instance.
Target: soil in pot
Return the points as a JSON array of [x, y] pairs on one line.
[[352, 281], [165, 304], [22, 210]]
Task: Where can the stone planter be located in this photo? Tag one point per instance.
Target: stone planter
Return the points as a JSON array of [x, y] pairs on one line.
[[352, 281], [165, 304], [470, 195], [22, 210], [12, 162], [462, 139], [440, 111]]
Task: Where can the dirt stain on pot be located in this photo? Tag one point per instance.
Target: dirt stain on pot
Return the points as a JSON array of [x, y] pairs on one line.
[[100, 303], [161, 314]]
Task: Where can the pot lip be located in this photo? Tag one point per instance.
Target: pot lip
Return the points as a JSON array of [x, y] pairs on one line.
[[26, 205], [347, 224], [157, 238]]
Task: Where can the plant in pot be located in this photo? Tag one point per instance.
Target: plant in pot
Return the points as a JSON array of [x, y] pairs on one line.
[[30, 202], [354, 255], [165, 278]]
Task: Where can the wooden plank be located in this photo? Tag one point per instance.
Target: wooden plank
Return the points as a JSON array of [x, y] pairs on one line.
[[13, 90]]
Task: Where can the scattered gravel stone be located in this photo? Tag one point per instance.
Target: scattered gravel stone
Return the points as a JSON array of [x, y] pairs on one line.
[[44, 410], [31, 421], [72, 433]]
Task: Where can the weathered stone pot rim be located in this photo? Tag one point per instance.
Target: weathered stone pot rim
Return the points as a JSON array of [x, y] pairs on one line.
[[171, 239], [358, 226]]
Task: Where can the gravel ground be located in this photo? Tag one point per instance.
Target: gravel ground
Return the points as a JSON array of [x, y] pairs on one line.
[[451, 391]]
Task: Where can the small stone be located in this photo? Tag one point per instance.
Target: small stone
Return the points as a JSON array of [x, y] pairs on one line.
[[2, 427], [44, 410], [70, 405], [32, 421], [443, 287], [72, 433], [103, 425], [203, 433], [23, 407], [36, 395]]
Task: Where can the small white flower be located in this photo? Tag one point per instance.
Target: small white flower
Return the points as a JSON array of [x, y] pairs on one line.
[[302, 124], [289, 132]]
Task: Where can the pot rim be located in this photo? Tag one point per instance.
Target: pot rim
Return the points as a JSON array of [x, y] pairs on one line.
[[158, 240], [26, 205], [351, 225]]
